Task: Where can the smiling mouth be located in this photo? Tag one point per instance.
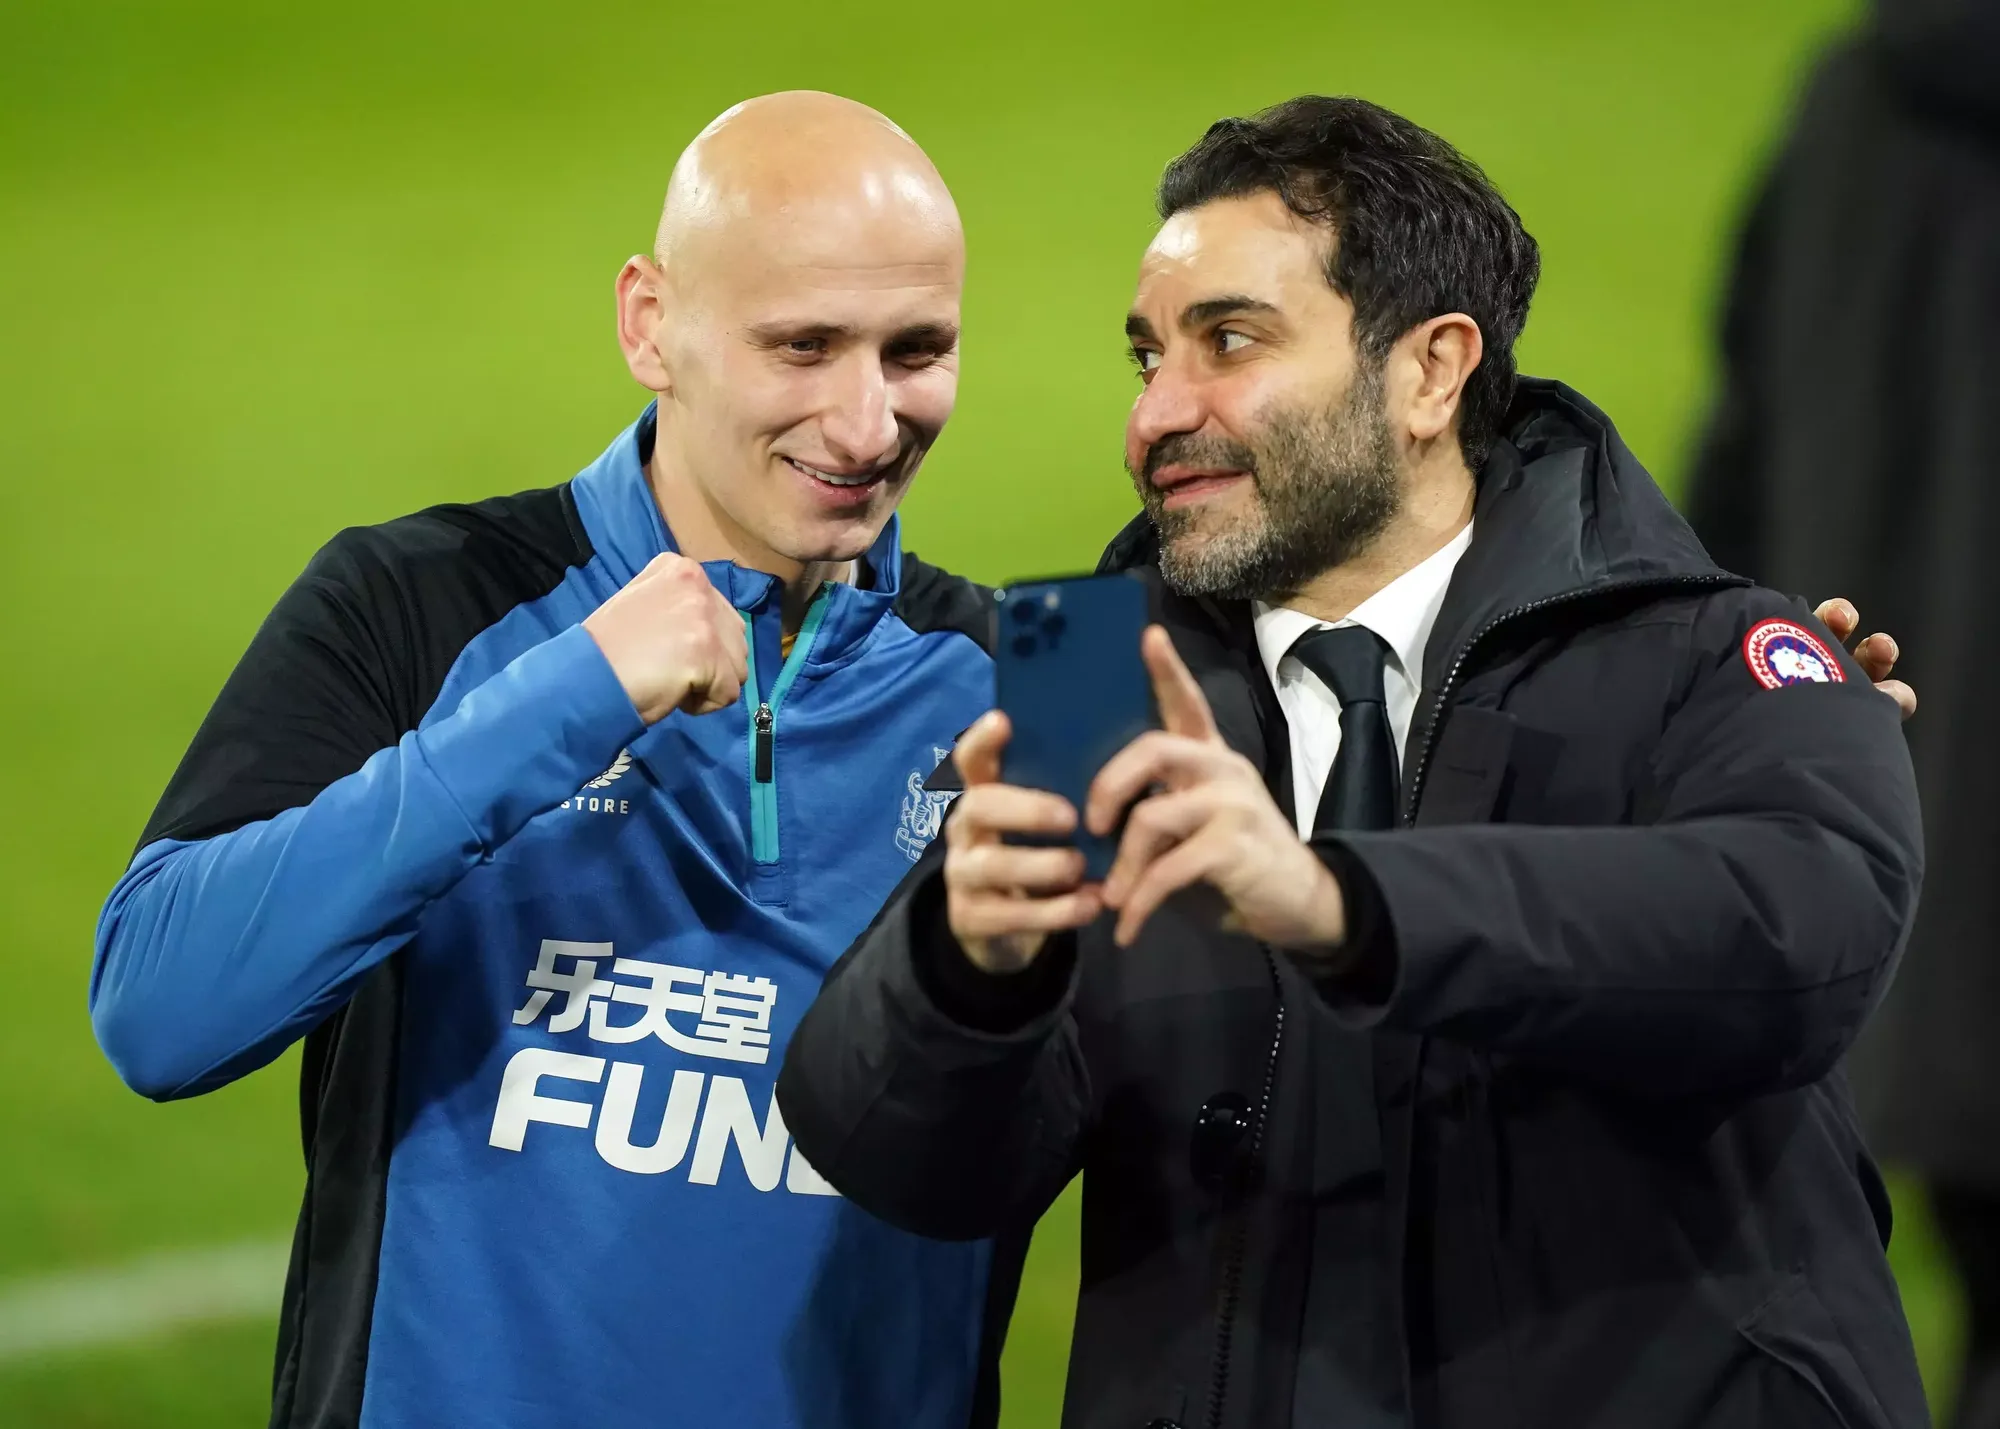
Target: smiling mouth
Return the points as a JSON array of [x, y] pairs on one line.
[[1181, 487], [831, 478]]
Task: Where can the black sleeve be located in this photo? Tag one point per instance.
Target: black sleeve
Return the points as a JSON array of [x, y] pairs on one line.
[[353, 654], [1363, 969], [971, 997], [316, 814], [930, 599], [313, 696], [1730, 947], [936, 1126]]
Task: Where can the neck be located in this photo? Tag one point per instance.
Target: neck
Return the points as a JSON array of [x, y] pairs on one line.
[[1437, 508], [703, 531]]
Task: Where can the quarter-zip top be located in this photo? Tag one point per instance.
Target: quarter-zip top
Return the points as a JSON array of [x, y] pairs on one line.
[[763, 717], [758, 843], [548, 964]]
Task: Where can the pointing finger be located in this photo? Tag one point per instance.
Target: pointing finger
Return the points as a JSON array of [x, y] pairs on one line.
[[1183, 708]]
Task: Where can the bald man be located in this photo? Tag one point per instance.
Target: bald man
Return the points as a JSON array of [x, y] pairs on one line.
[[540, 821]]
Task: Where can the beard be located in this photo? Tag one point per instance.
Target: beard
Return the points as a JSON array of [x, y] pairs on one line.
[[1324, 485]]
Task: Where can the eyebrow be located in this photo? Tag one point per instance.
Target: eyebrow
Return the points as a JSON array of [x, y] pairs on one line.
[[783, 331], [1199, 315], [1196, 316], [942, 334], [771, 334]]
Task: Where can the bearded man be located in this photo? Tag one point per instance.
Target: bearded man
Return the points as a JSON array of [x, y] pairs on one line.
[[1455, 1039]]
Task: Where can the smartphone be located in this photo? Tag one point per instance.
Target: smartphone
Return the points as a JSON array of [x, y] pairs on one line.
[[1068, 673]]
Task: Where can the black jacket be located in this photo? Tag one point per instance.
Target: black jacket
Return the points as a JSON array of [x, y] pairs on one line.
[[1644, 907], [1856, 438]]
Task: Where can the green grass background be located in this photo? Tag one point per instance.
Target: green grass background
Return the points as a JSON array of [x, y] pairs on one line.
[[271, 269]]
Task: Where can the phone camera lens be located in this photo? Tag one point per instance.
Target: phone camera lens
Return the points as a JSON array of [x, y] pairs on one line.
[[1053, 628], [1024, 646], [1024, 612]]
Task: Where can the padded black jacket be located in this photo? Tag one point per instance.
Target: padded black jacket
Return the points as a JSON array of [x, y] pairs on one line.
[[1610, 969]]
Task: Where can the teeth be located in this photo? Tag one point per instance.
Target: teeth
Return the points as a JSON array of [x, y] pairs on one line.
[[829, 478]]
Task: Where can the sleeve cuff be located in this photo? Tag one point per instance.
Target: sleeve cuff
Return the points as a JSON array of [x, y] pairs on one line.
[[1360, 979], [531, 735], [993, 1003]]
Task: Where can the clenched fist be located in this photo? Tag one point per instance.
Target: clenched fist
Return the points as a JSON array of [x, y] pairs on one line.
[[673, 640]]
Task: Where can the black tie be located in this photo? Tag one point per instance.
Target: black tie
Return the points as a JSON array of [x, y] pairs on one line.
[[1361, 791]]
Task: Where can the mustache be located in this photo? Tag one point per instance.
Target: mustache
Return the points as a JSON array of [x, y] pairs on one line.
[[1193, 449]]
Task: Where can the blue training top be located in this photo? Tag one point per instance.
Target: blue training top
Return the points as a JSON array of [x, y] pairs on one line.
[[549, 960]]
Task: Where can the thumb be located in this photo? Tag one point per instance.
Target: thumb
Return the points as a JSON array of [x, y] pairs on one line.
[[977, 753]]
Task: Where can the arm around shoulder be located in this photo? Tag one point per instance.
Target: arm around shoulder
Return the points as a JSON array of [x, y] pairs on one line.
[[1731, 944]]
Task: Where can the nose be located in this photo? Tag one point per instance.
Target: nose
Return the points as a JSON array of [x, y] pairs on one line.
[[1168, 404], [859, 424]]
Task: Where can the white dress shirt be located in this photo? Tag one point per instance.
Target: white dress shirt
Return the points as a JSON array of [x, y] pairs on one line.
[[1402, 614]]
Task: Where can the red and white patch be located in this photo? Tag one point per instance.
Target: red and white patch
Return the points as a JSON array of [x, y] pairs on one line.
[[1780, 653]]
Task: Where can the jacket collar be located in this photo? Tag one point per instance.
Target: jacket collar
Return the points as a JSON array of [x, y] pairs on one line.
[[615, 501], [1563, 510]]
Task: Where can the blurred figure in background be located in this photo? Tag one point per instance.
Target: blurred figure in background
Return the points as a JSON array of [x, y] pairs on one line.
[[1856, 437]]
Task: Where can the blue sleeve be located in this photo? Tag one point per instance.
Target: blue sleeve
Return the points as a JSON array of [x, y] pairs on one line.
[[214, 955]]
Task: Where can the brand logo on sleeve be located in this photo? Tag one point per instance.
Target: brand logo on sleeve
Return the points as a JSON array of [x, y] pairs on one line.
[[586, 802], [614, 773], [1780, 653]]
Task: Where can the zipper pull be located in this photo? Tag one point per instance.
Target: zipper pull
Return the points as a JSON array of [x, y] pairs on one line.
[[764, 723]]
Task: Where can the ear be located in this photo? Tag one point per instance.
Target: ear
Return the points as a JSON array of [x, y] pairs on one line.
[[1436, 357], [642, 313]]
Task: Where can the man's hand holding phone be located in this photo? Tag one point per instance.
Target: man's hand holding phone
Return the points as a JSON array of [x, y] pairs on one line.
[[1199, 814], [1202, 815], [1004, 899]]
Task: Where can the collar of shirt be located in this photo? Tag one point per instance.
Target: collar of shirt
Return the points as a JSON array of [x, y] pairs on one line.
[[1402, 613]]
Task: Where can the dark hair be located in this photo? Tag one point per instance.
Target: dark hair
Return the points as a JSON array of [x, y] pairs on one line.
[[1419, 230]]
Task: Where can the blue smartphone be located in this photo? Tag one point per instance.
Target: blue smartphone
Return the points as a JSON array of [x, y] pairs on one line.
[[1068, 673]]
